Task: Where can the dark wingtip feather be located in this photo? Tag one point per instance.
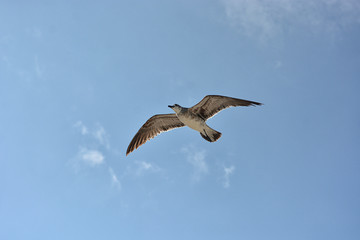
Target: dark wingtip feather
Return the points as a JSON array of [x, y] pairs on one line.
[[132, 145], [255, 103], [129, 150]]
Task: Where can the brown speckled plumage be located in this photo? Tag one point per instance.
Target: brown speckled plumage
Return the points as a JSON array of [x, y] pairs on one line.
[[194, 117]]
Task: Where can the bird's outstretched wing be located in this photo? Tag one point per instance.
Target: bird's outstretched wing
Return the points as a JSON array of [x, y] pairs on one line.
[[154, 126], [212, 104]]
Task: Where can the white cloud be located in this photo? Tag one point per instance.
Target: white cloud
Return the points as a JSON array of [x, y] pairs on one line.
[[268, 18], [227, 172], [143, 167], [91, 157], [99, 133], [197, 159], [101, 136], [114, 179], [83, 129]]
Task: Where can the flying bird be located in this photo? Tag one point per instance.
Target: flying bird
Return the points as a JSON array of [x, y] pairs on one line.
[[194, 117]]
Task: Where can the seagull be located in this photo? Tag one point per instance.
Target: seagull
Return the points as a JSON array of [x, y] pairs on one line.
[[194, 117]]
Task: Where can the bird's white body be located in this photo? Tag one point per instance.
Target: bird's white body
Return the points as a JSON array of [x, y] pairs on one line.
[[195, 123], [189, 119]]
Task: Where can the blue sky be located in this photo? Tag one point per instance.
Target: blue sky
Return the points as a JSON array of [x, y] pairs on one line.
[[79, 78]]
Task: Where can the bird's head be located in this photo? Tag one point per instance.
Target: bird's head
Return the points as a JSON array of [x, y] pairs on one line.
[[176, 108]]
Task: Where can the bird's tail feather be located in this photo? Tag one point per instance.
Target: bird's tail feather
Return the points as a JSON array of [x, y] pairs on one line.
[[210, 134]]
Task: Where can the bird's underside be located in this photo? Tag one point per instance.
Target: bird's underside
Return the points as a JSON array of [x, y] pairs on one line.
[[194, 117]]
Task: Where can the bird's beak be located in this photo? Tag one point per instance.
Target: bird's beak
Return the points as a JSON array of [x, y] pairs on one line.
[[171, 106]]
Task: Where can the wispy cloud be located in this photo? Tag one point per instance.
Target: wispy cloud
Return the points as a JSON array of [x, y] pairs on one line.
[[83, 129], [265, 19], [91, 157], [114, 179], [228, 171], [143, 167], [100, 135], [197, 159]]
